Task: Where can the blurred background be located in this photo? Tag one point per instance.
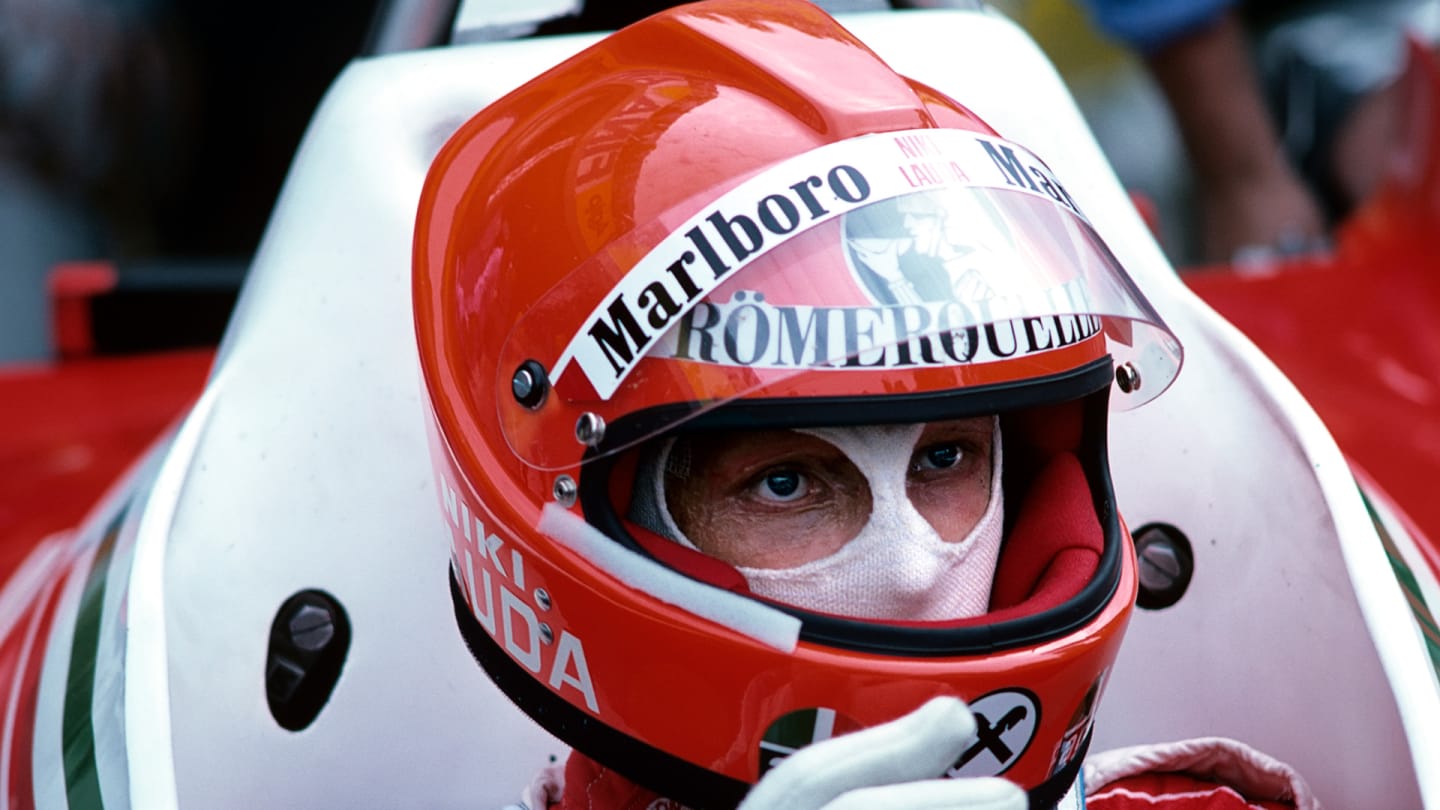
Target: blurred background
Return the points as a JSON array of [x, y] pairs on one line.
[[143, 142], [153, 134]]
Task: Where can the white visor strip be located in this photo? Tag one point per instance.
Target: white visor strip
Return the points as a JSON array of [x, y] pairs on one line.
[[746, 616], [810, 188]]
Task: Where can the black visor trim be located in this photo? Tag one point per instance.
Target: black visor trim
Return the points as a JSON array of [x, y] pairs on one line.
[[927, 406]]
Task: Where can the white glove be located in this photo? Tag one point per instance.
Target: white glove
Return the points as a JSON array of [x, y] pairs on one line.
[[888, 767]]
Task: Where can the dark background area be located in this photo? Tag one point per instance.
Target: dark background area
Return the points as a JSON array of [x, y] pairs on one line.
[[154, 136]]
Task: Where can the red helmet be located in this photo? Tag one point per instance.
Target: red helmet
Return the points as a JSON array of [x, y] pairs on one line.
[[733, 215]]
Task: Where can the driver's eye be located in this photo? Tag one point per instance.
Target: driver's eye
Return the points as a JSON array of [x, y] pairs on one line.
[[783, 485], [937, 457]]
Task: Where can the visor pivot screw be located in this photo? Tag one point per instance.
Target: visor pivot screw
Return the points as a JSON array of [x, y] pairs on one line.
[[542, 598], [529, 385], [547, 636], [590, 429], [1127, 377], [565, 491]]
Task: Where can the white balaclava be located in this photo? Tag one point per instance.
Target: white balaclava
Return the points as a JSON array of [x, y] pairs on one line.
[[897, 567]]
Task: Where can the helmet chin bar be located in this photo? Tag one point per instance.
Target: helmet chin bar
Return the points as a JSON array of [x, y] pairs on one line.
[[644, 764], [1090, 383], [636, 760]]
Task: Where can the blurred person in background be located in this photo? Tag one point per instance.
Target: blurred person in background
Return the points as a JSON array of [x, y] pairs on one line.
[[1285, 109]]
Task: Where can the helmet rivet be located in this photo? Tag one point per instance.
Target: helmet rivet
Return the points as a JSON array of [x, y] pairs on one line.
[[1127, 377], [529, 384], [590, 429], [542, 598], [565, 491], [547, 635]]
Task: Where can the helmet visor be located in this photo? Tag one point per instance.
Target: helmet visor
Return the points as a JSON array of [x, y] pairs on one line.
[[891, 263]]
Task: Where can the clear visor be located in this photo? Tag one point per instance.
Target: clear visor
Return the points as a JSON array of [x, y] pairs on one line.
[[846, 283]]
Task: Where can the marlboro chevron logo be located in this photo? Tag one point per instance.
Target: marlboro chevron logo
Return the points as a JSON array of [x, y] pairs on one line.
[[671, 281], [798, 729]]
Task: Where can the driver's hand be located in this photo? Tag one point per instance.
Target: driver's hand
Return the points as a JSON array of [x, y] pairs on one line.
[[891, 766], [1270, 214]]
